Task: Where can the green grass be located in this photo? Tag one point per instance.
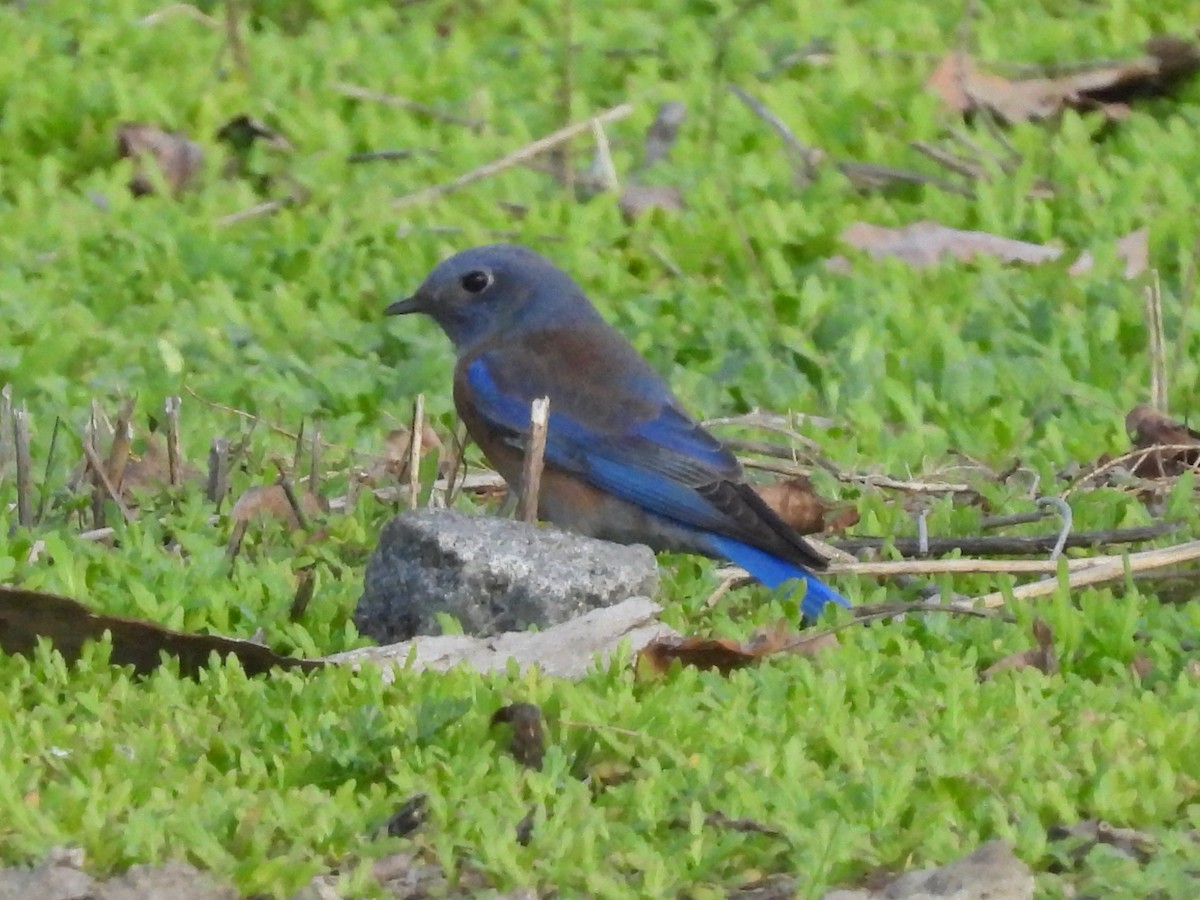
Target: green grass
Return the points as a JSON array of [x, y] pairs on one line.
[[887, 753]]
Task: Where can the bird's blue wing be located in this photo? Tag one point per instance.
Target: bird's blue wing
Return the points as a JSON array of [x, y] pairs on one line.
[[656, 463]]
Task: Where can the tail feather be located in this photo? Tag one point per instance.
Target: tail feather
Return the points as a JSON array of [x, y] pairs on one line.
[[773, 572]]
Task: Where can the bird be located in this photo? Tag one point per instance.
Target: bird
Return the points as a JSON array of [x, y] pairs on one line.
[[624, 461]]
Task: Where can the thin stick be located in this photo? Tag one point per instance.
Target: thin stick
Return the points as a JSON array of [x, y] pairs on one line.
[[233, 37], [1109, 568], [1187, 295], [306, 585], [171, 409], [566, 90], [379, 156], [259, 209], [314, 460], [184, 9], [236, 536], [535, 455], [414, 451], [805, 159], [1139, 454], [20, 434], [51, 455], [362, 93], [960, 165], [218, 471], [1157, 341], [298, 449], [285, 482], [92, 439], [515, 158], [98, 472], [1006, 545], [118, 452], [7, 454]]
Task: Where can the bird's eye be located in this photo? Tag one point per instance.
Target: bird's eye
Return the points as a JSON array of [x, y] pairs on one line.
[[476, 282]]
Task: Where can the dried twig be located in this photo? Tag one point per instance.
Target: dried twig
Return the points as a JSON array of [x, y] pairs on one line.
[[361, 93], [20, 438], [97, 466], [7, 454], [526, 153], [1101, 569], [1157, 341], [535, 453], [233, 37], [566, 89], [804, 159], [414, 451], [1136, 456], [314, 460], [186, 10], [285, 481], [306, 584], [379, 156], [1006, 545], [218, 471], [265, 208], [51, 456], [236, 536], [171, 409], [118, 452]]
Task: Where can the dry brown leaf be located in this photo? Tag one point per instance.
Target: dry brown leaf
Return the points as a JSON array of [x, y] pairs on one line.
[[1042, 657], [242, 132], [27, 616], [924, 244], [271, 501], [1106, 87], [639, 199], [151, 471], [1133, 249], [393, 464], [1147, 427], [795, 501], [726, 654], [663, 131], [177, 158], [528, 743]]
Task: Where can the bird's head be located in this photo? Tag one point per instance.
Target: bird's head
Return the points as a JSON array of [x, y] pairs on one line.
[[491, 291]]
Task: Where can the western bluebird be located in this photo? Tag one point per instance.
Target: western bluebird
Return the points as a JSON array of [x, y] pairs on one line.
[[624, 462]]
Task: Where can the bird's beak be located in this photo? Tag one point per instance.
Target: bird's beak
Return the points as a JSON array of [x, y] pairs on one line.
[[413, 304]]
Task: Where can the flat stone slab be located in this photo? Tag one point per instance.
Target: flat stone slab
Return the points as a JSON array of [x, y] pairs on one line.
[[493, 575]]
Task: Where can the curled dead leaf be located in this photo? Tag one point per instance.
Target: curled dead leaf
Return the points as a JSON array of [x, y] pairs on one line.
[[1106, 87], [271, 502], [1041, 657], [393, 464], [1149, 428], [796, 502], [639, 199], [177, 159], [528, 743], [925, 244], [726, 654]]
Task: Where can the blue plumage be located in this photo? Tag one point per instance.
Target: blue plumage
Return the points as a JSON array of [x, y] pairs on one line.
[[624, 461]]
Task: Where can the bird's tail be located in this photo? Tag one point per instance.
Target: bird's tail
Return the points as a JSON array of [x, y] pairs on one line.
[[773, 572]]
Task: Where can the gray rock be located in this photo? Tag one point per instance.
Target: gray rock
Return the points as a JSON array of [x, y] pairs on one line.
[[493, 575], [991, 872]]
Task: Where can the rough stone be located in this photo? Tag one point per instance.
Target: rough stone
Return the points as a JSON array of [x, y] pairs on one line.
[[991, 872], [493, 575]]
